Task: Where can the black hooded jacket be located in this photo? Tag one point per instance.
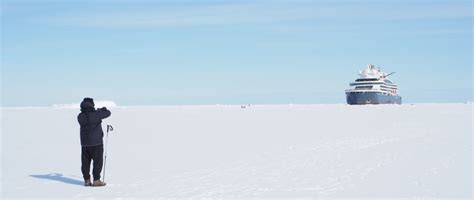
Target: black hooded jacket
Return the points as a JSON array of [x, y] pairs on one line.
[[90, 121]]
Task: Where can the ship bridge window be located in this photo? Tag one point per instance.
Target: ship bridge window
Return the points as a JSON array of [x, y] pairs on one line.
[[373, 83], [363, 87], [366, 79]]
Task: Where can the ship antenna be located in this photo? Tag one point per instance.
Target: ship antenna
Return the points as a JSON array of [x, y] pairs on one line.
[[389, 74]]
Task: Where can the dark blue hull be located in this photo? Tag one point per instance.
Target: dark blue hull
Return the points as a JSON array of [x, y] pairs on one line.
[[360, 98]]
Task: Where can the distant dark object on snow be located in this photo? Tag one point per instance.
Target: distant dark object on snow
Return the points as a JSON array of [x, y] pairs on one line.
[[245, 106]]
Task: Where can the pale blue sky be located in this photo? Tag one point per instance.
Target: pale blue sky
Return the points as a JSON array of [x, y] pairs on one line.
[[231, 52]]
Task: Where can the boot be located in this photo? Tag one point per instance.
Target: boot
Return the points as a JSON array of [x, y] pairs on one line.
[[87, 182], [98, 183]]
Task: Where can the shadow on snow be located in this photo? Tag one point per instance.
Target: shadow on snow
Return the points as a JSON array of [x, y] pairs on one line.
[[59, 177]]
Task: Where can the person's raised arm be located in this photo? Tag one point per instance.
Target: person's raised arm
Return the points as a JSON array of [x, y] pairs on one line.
[[103, 112]]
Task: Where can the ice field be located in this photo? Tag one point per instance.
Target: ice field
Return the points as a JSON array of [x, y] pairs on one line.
[[261, 151]]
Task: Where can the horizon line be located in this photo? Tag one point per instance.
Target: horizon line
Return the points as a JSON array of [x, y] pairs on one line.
[[230, 105]]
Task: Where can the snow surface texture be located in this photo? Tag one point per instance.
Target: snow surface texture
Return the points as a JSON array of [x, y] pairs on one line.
[[285, 151]]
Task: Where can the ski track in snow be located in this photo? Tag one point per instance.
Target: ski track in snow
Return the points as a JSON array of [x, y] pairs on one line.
[[264, 173]]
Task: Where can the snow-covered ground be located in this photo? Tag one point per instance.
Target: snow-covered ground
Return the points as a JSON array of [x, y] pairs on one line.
[[281, 151]]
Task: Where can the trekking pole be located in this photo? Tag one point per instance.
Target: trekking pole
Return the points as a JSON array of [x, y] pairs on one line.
[[109, 128]]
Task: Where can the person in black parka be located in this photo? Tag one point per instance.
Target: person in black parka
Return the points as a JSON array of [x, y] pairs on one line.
[[90, 121]]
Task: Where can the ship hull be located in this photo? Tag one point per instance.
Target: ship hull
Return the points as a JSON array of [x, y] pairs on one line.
[[361, 98]]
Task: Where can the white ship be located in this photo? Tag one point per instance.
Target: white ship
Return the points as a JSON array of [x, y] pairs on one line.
[[373, 87]]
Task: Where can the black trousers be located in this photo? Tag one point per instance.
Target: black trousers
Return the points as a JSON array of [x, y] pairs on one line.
[[94, 153]]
